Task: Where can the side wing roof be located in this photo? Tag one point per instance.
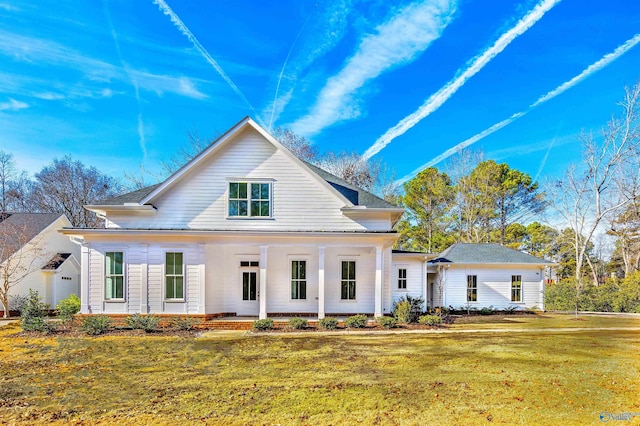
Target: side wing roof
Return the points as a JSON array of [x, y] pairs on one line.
[[485, 253]]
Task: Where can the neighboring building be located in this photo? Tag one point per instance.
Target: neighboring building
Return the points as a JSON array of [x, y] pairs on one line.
[[43, 260], [484, 275], [248, 229]]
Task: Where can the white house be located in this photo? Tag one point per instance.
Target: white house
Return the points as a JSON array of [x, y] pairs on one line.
[[34, 255], [483, 275], [245, 228], [248, 229]]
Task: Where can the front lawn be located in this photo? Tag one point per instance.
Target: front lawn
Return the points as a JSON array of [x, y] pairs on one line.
[[400, 378]]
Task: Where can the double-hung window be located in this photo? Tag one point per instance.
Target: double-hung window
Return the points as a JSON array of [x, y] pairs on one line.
[[402, 279], [249, 199], [472, 288], [174, 276], [348, 282], [114, 275], [516, 288], [299, 279]]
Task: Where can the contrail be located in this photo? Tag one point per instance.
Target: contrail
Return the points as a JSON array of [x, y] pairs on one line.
[[134, 82], [436, 100], [284, 65], [164, 7], [544, 160], [591, 69]]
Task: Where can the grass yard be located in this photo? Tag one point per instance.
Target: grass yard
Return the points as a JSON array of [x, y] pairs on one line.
[[533, 377]]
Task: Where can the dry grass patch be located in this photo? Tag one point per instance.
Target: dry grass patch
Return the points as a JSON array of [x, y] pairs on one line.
[[235, 378]]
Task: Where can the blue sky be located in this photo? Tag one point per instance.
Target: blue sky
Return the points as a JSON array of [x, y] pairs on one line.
[[119, 83]]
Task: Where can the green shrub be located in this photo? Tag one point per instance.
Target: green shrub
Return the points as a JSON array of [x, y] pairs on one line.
[[96, 324], [407, 309], [147, 323], [486, 311], [68, 308], [184, 323], [386, 322], [298, 323], [356, 321], [328, 323], [561, 296], [430, 320], [510, 310], [402, 312], [263, 324], [39, 324], [33, 314]]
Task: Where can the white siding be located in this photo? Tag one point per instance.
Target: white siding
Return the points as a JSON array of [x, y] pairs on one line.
[[44, 246], [494, 287], [365, 259], [134, 259], [414, 279], [199, 199]]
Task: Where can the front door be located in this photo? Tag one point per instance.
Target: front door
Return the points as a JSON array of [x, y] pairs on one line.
[[249, 292]]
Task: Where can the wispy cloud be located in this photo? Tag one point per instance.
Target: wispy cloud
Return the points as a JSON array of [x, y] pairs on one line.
[[284, 65], [13, 105], [97, 73], [591, 69], [436, 100], [320, 33], [134, 83], [398, 41], [164, 8]]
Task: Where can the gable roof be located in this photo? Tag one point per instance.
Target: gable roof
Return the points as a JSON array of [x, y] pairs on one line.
[[347, 192], [17, 229], [486, 253]]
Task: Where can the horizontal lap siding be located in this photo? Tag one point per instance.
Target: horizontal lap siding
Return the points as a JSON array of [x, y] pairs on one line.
[[365, 280], [96, 280], [414, 279], [494, 287], [192, 276], [279, 279], [135, 258], [199, 200], [214, 277]]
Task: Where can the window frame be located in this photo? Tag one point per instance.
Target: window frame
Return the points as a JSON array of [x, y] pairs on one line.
[[347, 281], [516, 288], [167, 275], [472, 288], [108, 275], [249, 199], [402, 280], [297, 281]]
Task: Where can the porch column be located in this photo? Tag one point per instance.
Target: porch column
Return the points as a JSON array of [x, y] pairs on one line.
[[263, 282], [425, 296], [320, 282], [542, 288], [378, 283], [144, 279], [84, 279]]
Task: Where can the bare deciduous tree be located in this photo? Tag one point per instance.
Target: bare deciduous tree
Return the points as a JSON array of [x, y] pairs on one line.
[[65, 186], [605, 183]]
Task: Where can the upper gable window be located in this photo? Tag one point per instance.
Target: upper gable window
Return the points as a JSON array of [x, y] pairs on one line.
[[249, 199]]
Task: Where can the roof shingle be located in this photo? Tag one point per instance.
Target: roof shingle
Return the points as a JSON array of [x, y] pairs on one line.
[[484, 253]]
